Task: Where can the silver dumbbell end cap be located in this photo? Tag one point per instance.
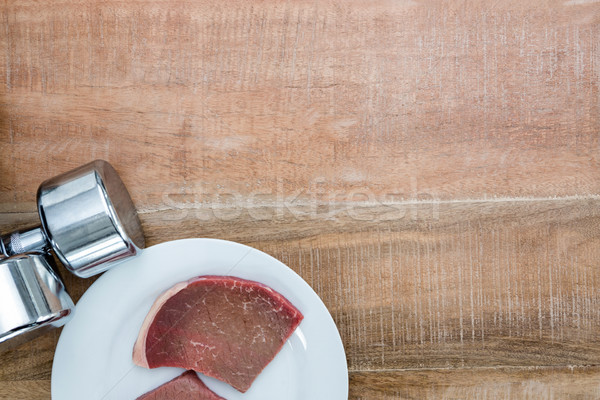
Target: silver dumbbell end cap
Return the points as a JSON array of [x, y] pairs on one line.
[[89, 218]]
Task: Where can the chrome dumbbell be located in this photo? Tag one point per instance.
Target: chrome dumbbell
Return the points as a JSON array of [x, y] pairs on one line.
[[87, 218], [89, 221]]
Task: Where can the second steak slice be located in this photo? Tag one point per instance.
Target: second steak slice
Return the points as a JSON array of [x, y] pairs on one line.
[[186, 386], [222, 326]]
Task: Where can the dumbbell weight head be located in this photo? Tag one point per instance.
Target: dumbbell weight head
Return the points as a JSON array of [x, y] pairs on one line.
[[89, 219], [33, 299]]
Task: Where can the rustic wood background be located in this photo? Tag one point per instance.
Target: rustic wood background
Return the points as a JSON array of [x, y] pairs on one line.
[[432, 169]]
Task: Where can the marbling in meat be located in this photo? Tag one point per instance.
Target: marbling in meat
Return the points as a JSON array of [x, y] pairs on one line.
[[222, 326]]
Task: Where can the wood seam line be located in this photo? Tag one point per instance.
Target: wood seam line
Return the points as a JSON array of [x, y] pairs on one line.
[[192, 205], [187, 206], [477, 368]]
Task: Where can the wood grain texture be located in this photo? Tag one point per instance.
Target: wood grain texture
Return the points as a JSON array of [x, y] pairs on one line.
[[439, 99], [430, 168], [25, 390], [465, 285], [470, 287], [484, 384]]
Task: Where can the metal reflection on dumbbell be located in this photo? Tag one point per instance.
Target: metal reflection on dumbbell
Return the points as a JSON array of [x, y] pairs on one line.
[[33, 299], [87, 218]]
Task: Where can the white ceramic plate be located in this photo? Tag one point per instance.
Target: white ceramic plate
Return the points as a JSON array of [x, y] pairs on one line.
[[93, 357]]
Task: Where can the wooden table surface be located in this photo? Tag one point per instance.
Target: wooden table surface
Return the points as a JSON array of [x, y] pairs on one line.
[[431, 169]]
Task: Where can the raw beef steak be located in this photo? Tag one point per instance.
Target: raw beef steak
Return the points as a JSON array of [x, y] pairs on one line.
[[222, 326], [186, 386]]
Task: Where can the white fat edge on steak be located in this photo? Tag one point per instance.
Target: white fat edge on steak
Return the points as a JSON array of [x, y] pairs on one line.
[[139, 349]]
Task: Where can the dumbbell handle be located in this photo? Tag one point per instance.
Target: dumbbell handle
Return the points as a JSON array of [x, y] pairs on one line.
[[23, 241]]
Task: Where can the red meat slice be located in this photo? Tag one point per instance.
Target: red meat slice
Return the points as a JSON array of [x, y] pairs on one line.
[[222, 326], [186, 386]]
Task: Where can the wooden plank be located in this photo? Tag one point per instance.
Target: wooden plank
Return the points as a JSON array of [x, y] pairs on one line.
[[478, 384], [25, 390], [462, 284], [481, 384], [402, 100], [415, 285]]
